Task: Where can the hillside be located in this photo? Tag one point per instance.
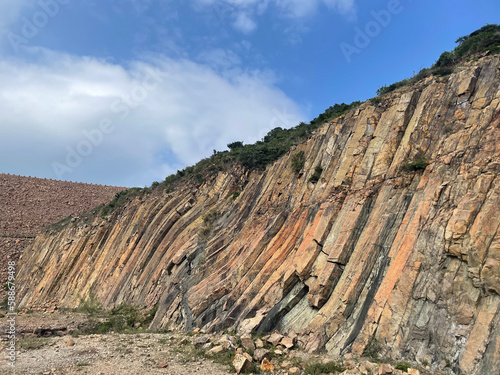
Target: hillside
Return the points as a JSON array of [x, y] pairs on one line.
[[379, 232], [29, 204]]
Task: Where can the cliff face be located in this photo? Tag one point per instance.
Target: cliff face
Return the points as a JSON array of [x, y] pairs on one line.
[[370, 253]]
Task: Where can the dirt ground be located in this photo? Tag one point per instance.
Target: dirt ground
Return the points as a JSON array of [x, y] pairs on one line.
[[53, 344], [109, 354], [138, 353]]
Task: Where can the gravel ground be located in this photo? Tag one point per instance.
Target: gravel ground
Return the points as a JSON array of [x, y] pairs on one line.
[[60, 353], [107, 354]]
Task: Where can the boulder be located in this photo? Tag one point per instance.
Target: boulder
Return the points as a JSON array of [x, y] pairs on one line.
[[288, 342], [241, 363], [260, 354], [200, 341], [385, 368], [247, 343], [226, 343], [216, 349], [275, 339], [266, 365]]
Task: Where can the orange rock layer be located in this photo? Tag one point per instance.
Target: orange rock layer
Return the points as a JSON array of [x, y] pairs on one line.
[[370, 253]]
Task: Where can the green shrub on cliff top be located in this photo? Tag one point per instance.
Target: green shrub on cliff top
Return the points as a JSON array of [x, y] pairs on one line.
[[486, 39]]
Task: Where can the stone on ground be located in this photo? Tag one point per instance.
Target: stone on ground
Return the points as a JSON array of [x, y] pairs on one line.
[[241, 363]]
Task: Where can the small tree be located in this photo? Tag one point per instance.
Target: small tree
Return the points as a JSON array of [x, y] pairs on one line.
[[318, 170], [298, 161], [417, 165], [235, 145], [446, 59]]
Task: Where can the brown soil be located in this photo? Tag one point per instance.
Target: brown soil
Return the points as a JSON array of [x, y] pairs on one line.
[[29, 204]]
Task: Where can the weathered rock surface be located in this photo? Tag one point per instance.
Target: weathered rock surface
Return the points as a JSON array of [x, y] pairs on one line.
[[266, 365], [241, 363], [410, 260]]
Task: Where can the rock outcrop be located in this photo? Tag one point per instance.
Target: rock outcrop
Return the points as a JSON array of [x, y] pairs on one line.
[[407, 262]]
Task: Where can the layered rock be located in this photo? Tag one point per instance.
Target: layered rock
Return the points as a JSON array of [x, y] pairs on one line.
[[370, 253]]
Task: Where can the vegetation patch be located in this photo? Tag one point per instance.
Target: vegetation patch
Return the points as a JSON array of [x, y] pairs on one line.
[[208, 224], [235, 195], [122, 319], [484, 40], [318, 368], [224, 358], [373, 349], [82, 364], [90, 306], [298, 162], [335, 111], [416, 165], [121, 198], [403, 366], [33, 343], [318, 170]]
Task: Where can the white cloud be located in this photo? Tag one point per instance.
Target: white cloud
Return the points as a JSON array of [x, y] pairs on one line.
[[219, 58], [244, 12], [179, 114], [244, 23]]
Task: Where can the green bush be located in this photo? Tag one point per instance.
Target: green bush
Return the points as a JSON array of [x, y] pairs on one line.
[[32, 343], [441, 72], [235, 145], [372, 349], [445, 60], [318, 170], [387, 89], [403, 366], [318, 368], [486, 39], [90, 306], [120, 199], [334, 111], [298, 161], [123, 318], [375, 101], [416, 165]]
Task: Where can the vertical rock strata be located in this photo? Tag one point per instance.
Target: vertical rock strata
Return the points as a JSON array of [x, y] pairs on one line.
[[370, 253]]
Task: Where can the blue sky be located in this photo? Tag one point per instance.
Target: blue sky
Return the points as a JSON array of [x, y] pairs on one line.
[[125, 92]]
